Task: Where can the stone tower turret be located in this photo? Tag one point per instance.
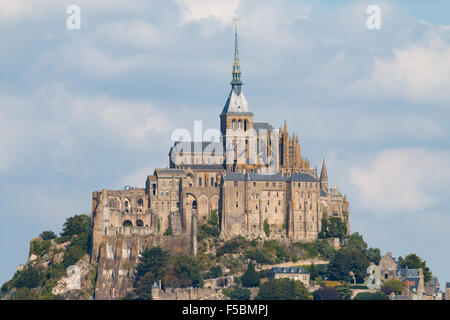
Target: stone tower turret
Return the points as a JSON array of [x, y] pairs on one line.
[[324, 177]]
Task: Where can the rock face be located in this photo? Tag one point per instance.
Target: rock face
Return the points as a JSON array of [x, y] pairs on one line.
[[119, 255], [78, 278]]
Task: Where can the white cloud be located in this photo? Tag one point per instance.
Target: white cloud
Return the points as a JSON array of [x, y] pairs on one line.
[[402, 180], [417, 74], [57, 127], [223, 11], [135, 33]]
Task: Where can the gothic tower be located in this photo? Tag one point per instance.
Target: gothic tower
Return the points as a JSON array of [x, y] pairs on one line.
[[236, 120], [324, 177]]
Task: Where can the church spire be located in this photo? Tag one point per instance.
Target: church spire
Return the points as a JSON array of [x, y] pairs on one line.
[[236, 65], [324, 176]]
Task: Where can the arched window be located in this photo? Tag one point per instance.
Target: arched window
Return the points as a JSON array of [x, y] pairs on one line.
[[240, 124], [126, 204], [245, 125], [194, 204], [127, 223], [139, 223], [140, 203]]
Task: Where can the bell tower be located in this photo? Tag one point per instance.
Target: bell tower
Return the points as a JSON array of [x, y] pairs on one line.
[[236, 120]]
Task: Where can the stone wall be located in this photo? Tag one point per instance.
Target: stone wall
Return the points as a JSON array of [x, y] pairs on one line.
[[186, 294]]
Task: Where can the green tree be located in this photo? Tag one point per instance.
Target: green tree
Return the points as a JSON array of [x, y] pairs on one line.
[[283, 289], [237, 293], [154, 262], [29, 277], [184, 271], [327, 293], [76, 225], [214, 220], [143, 288], [72, 255], [413, 261], [215, 272], [47, 235], [23, 293], [266, 228], [371, 296], [374, 255], [356, 241], [250, 278], [336, 228], [393, 285], [346, 260]]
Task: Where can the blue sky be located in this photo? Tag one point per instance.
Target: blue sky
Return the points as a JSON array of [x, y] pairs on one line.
[[83, 110]]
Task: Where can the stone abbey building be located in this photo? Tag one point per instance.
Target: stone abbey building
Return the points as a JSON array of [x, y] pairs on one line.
[[254, 177]]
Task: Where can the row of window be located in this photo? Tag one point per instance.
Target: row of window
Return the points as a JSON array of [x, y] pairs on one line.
[[239, 124]]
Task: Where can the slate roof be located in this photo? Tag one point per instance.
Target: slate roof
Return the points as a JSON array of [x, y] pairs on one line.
[[408, 273], [262, 126], [236, 102]]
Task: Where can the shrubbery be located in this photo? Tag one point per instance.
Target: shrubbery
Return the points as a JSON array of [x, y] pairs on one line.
[[283, 289], [237, 293]]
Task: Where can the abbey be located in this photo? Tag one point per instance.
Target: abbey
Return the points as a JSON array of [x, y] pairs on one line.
[[254, 178]]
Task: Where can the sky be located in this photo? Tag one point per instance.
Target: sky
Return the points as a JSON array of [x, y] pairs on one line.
[[94, 108]]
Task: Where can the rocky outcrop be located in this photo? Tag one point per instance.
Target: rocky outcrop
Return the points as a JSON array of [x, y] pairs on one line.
[[118, 257], [80, 277]]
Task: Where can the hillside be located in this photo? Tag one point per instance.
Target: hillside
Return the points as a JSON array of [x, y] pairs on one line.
[[128, 268]]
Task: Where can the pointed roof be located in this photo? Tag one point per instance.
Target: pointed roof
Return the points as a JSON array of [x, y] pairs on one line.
[[236, 102], [324, 173]]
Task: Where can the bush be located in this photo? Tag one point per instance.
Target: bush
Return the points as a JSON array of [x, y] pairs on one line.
[[47, 235], [72, 255], [237, 293], [393, 285], [371, 296], [250, 278], [39, 247], [327, 293], [232, 246], [215, 272], [184, 272], [258, 256], [23, 293], [28, 277]]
